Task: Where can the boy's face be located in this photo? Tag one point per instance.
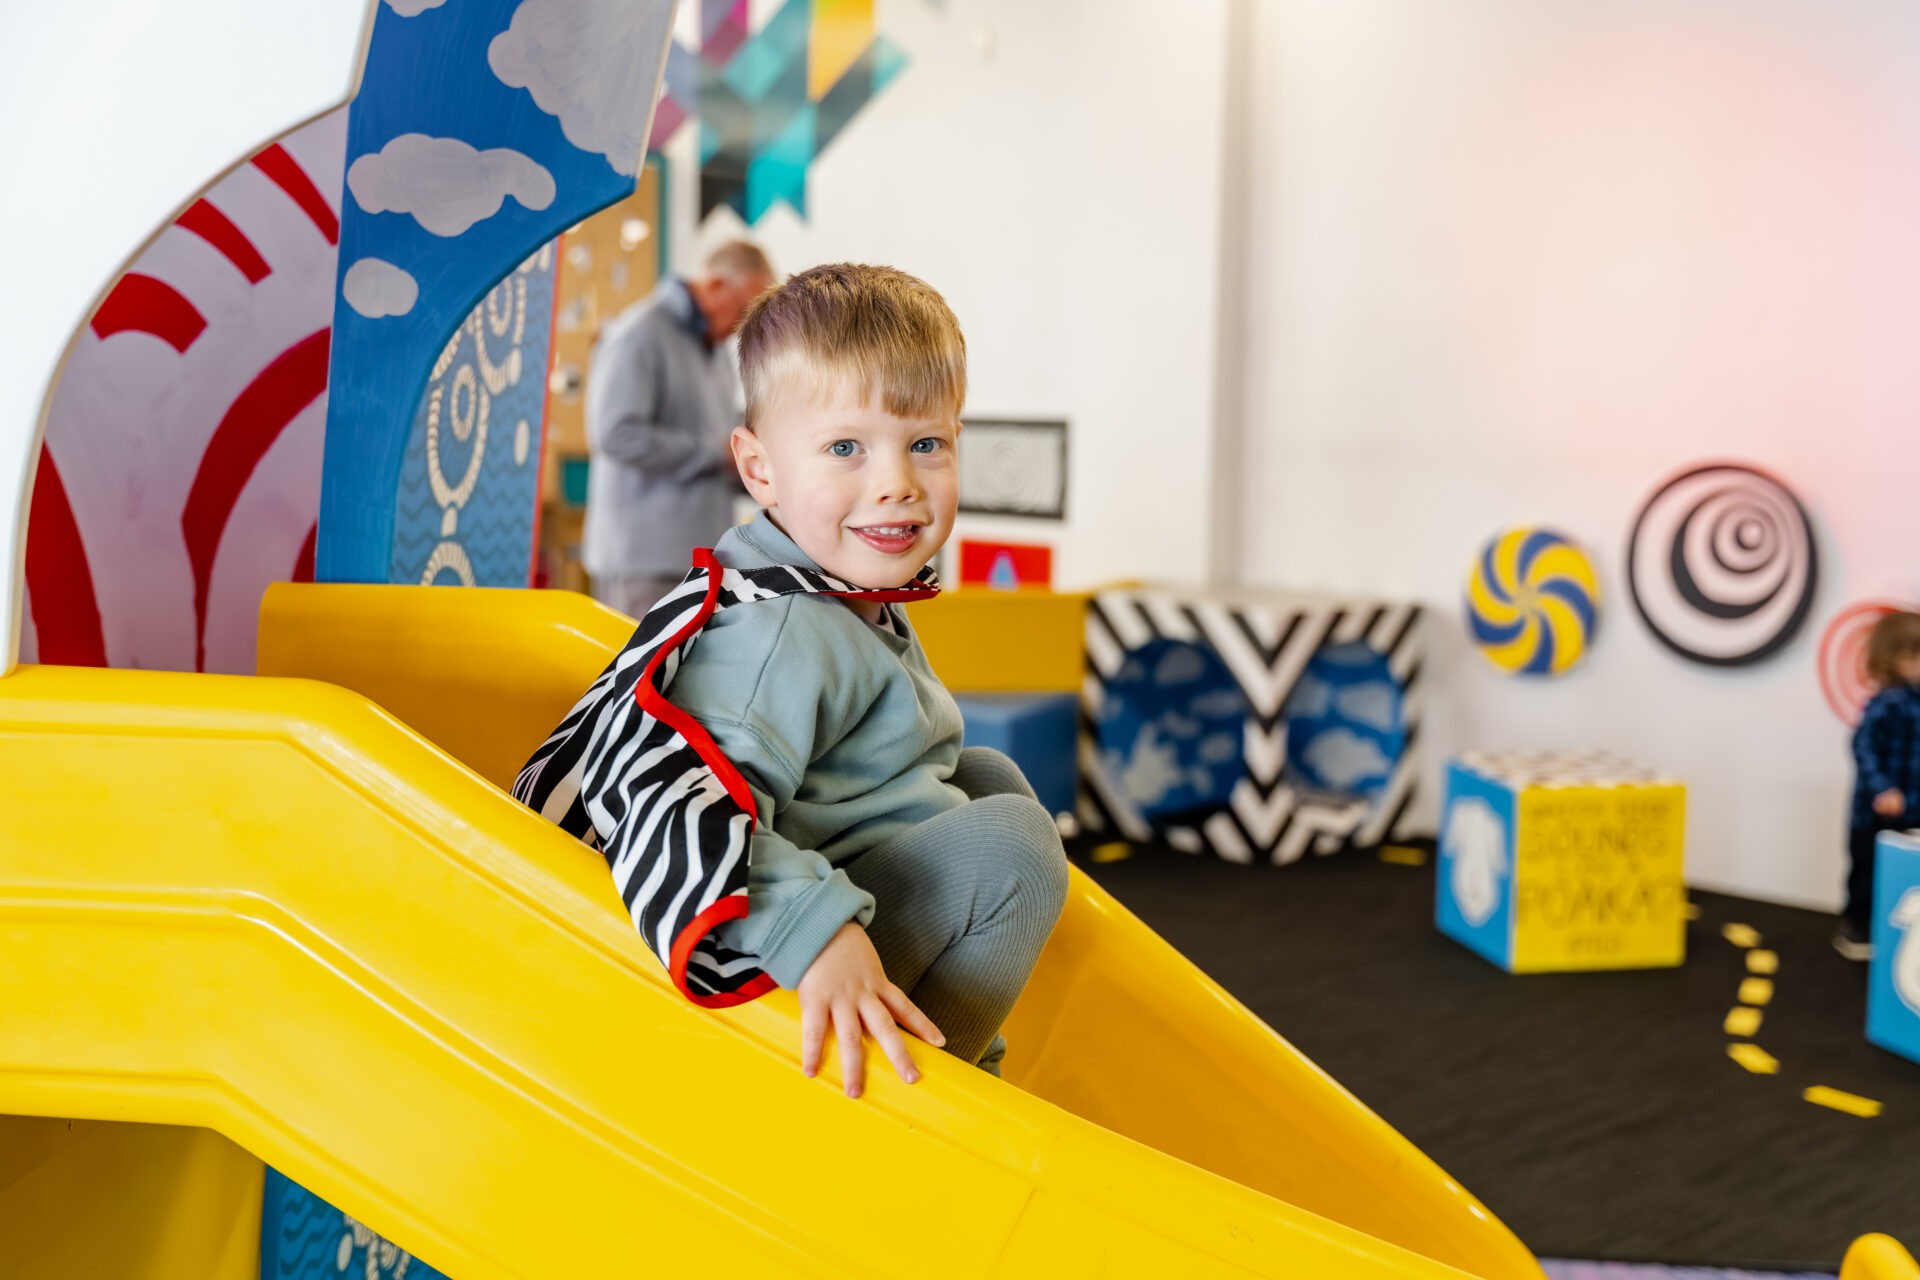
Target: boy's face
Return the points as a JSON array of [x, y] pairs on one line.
[[868, 495]]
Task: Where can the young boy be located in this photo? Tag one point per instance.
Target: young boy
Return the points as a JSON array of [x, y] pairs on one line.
[[891, 877], [1886, 777]]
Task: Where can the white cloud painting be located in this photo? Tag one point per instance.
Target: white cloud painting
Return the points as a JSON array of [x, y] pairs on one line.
[[592, 64], [444, 183], [377, 288]]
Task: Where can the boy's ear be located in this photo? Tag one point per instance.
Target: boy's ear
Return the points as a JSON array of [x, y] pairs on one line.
[[750, 458]]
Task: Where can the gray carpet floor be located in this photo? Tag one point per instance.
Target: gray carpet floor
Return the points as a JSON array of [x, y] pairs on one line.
[[1598, 1114]]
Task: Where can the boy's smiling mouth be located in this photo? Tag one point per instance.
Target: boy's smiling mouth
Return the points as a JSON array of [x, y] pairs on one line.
[[889, 539]]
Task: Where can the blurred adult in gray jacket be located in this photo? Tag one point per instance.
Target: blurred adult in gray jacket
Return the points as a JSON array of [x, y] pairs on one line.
[[662, 396]]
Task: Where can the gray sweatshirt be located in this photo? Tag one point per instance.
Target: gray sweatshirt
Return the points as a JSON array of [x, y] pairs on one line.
[[660, 405], [841, 730]]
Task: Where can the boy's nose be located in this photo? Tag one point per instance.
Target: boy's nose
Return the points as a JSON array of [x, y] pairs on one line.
[[894, 481]]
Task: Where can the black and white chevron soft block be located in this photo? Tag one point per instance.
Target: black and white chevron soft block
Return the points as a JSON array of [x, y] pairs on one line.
[[1253, 726]]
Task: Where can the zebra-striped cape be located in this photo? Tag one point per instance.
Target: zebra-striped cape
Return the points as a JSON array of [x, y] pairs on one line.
[[640, 780]]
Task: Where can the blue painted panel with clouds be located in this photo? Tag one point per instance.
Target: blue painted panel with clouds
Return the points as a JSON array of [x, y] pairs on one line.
[[302, 1237], [482, 129], [470, 483]]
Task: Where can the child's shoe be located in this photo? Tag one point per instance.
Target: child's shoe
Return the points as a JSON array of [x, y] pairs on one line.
[[1851, 943]]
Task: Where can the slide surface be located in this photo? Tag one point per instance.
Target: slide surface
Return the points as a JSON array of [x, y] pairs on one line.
[[1878, 1257], [267, 907]]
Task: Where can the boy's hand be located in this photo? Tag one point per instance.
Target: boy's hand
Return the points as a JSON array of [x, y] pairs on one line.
[[1890, 803], [847, 988]]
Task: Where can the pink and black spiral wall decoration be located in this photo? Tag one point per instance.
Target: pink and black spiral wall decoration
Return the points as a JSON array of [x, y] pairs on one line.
[[1722, 565]]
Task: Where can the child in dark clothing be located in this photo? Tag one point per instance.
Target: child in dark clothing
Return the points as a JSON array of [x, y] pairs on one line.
[[1886, 757]]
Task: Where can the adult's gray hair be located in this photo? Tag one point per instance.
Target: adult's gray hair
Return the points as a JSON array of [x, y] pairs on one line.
[[738, 261]]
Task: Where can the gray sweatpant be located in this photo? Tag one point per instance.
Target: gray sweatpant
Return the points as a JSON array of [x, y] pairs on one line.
[[964, 902]]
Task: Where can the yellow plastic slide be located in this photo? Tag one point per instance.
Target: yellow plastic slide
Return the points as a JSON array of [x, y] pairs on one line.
[[268, 907], [1878, 1257]]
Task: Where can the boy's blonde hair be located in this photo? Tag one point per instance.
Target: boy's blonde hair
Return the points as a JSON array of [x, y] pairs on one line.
[[873, 331], [1895, 636]]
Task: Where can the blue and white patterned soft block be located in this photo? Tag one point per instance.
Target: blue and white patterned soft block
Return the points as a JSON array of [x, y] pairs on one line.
[[1893, 980], [1473, 904], [1170, 729], [1039, 731], [1346, 721]]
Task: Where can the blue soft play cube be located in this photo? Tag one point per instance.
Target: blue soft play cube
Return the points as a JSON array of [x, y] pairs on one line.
[[1473, 902], [1039, 731], [1893, 980]]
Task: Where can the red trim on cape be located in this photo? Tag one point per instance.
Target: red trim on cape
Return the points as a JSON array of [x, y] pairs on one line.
[[655, 704], [731, 907]]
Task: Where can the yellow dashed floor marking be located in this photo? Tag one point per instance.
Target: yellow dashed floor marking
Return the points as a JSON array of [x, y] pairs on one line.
[[1743, 1020], [1754, 1058], [1403, 856], [1118, 851], [1840, 1100]]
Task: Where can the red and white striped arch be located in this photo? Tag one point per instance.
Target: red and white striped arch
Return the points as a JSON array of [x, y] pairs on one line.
[[181, 465], [124, 108]]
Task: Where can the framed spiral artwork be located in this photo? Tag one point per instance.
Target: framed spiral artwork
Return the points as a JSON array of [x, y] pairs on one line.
[[1722, 565], [1012, 468], [1533, 600]]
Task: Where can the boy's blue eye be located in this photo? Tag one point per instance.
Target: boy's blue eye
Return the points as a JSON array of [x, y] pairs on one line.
[[842, 448], [928, 444]]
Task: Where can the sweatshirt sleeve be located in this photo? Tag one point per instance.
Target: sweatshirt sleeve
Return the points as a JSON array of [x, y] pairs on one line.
[[796, 899], [1872, 746]]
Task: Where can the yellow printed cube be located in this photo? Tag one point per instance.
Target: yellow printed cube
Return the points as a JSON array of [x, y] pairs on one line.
[[1556, 862]]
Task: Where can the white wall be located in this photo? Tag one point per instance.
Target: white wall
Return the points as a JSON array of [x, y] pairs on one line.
[[1055, 170], [1514, 261], [1503, 262], [116, 115]]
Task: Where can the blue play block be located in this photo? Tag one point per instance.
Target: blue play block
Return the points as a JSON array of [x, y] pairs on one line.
[[1893, 980], [1473, 899], [1039, 731]]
